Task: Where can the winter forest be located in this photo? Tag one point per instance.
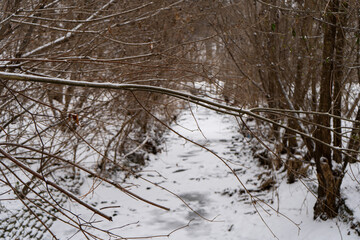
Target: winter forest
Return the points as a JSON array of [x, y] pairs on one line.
[[180, 119]]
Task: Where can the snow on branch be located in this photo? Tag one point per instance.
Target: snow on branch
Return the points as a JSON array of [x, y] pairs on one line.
[[235, 111], [68, 35]]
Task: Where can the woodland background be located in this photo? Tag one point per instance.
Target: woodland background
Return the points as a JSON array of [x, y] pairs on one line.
[[293, 66]]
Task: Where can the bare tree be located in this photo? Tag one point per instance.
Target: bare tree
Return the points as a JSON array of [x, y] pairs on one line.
[[64, 68], [301, 55], [46, 127]]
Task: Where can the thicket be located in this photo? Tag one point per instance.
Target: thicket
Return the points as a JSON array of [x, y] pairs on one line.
[[130, 65]]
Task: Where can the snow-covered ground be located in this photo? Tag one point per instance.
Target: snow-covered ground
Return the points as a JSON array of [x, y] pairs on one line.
[[205, 184]]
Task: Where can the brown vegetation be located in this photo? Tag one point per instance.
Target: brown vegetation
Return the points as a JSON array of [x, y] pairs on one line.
[[293, 64]]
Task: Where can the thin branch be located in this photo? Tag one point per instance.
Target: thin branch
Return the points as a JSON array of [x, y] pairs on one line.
[[235, 111], [89, 172], [39, 176], [67, 36]]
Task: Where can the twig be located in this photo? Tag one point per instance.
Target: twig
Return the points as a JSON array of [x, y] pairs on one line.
[[39, 176]]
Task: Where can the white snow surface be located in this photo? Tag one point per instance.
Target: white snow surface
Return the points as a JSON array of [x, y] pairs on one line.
[[200, 178]]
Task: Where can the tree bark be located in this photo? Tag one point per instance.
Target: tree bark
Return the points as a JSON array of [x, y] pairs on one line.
[[338, 77], [329, 181]]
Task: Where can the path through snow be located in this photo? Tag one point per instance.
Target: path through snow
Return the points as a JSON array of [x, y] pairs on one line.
[[209, 187]]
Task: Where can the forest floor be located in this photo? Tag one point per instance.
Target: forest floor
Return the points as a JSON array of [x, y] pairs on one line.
[[220, 206]]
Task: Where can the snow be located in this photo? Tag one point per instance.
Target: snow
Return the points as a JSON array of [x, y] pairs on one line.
[[208, 187]]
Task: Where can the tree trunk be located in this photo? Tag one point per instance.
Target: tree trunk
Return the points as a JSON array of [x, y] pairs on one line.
[[338, 77], [329, 180], [329, 199]]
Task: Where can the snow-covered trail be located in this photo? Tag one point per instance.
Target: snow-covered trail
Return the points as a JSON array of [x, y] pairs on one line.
[[208, 187]]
